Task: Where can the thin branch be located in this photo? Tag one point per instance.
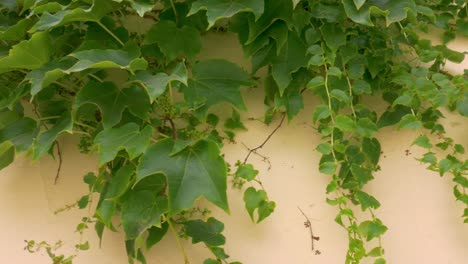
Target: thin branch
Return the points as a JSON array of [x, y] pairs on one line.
[[308, 225], [110, 33], [174, 130], [59, 153], [181, 247], [266, 140], [175, 12]]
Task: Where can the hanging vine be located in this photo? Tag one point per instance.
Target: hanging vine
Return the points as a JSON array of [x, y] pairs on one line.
[[156, 136]]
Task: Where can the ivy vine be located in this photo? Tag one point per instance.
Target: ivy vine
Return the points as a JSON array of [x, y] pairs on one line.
[[142, 102]]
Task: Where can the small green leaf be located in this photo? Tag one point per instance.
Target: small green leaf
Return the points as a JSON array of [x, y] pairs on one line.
[[316, 82], [83, 246], [211, 261], [340, 96], [422, 141], [372, 229], [445, 165], [404, 99], [380, 261], [365, 127], [7, 154], [45, 140], [345, 123], [156, 234], [367, 201], [140, 211], [208, 232], [411, 122], [328, 167], [459, 149], [20, 133], [371, 147], [234, 121], [320, 112], [246, 172], [258, 200], [334, 71], [324, 148], [361, 87], [376, 252]]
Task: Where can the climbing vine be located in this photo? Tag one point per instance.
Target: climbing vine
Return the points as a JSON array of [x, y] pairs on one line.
[[141, 101]]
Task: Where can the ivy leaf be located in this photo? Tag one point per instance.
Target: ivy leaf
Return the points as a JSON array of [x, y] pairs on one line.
[[208, 232], [215, 81], [290, 59], [45, 140], [333, 35], [345, 123], [156, 234], [94, 13], [327, 167], [320, 112], [174, 41], [367, 201], [410, 121], [371, 147], [117, 185], [393, 116], [112, 101], [197, 171], [422, 141], [128, 137], [127, 58], [372, 229], [324, 148], [217, 9], [7, 154], [28, 54], [155, 85], [234, 121], [258, 200], [140, 211], [20, 133], [361, 87], [366, 128], [246, 172]]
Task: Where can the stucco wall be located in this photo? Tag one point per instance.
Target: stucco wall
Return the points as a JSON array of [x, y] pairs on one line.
[[424, 220]]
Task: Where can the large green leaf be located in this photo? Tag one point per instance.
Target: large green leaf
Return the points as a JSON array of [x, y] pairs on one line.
[[20, 133], [290, 59], [127, 58], [393, 10], [93, 13], [174, 41], [112, 101], [28, 54], [45, 140], [215, 81], [155, 85], [197, 171], [217, 9], [46, 75], [140, 211], [128, 137], [208, 232]]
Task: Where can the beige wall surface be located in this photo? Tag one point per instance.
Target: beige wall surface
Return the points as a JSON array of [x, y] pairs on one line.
[[424, 220]]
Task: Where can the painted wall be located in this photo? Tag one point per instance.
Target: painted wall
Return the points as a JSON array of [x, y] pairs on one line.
[[424, 220]]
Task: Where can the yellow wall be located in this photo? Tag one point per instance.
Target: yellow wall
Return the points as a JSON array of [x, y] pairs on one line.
[[424, 220]]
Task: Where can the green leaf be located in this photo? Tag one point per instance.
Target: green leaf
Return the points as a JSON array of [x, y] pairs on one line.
[[28, 54], [116, 187], [234, 121], [258, 200], [445, 165], [155, 85], [156, 234], [197, 171], [361, 87], [328, 167], [371, 147], [367, 201], [345, 123], [359, 3], [320, 112], [372, 229], [112, 101], [213, 82], [333, 35], [15, 31], [7, 154], [246, 172], [128, 137], [94, 13], [20, 133], [316, 82], [208, 232], [218, 9], [366, 127], [141, 7], [380, 261], [410, 121], [46, 75], [211, 261], [393, 116], [45, 140], [174, 41], [459, 149], [140, 211], [404, 99], [127, 58], [376, 252], [422, 141], [324, 148], [290, 59]]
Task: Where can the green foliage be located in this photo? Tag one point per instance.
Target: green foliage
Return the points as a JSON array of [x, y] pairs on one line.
[[84, 70]]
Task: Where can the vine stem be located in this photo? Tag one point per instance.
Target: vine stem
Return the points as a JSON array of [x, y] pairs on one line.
[[181, 247], [175, 12], [309, 226], [110, 32]]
